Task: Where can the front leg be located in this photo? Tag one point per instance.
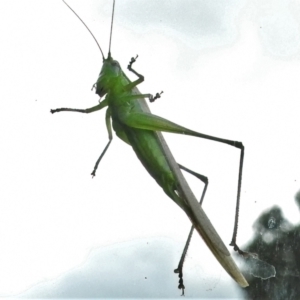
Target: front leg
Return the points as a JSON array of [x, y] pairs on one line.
[[152, 99], [141, 96], [133, 60], [131, 85]]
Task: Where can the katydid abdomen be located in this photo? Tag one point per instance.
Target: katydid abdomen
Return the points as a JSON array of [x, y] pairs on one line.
[[145, 143]]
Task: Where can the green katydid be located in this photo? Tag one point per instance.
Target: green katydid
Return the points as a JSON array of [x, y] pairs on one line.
[[133, 123]]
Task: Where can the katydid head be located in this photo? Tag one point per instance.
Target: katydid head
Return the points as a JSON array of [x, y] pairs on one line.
[[108, 77]]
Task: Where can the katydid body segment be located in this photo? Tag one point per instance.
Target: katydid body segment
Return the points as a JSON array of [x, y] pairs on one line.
[[133, 123]]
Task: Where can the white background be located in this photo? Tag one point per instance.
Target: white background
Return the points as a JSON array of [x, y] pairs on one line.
[[229, 69]]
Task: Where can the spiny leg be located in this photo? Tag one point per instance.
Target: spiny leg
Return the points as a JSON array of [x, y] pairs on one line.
[[99, 159], [237, 208], [132, 61], [131, 85], [141, 96], [108, 125], [140, 80], [179, 269], [157, 95], [110, 137], [85, 111]]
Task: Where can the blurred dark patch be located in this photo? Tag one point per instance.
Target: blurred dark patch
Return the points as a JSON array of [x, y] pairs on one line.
[[277, 242]]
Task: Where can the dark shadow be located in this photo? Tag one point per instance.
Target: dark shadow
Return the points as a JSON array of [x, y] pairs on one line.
[[278, 243]]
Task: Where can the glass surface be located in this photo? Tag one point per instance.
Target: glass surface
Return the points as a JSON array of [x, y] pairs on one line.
[[227, 68]]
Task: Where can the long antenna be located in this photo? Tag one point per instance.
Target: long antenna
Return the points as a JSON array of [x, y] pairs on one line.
[[85, 27], [111, 26]]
